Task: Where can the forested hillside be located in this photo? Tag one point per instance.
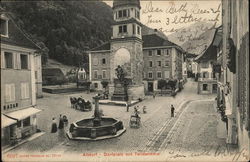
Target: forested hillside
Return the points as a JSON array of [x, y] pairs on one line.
[[64, 29]]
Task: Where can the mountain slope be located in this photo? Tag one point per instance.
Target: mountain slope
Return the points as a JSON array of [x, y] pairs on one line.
[[66, 28], [194, 38]]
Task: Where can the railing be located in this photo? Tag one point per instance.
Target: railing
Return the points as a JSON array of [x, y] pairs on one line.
[[207, 79]]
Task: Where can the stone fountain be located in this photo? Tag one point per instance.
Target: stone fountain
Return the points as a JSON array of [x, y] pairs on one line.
[[96, 128]]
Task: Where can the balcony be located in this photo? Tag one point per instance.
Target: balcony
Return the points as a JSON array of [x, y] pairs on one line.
[[207, 79]]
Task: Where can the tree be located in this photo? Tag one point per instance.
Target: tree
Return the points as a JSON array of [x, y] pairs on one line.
[[104, 84], [172, 84], [161, 84]]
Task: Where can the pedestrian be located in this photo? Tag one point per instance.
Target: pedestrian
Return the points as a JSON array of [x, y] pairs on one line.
[[65, 120], [144, 109], [172, 111], [153, 95], [135, 110], [60, 126], [53, 126]]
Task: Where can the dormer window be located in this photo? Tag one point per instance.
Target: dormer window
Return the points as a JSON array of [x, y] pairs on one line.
[[4, 26]]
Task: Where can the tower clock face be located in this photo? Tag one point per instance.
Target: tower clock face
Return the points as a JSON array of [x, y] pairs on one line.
[[122, 58]]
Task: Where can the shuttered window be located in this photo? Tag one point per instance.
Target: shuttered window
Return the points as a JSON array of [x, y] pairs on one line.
[[24, 90], [10, 92]]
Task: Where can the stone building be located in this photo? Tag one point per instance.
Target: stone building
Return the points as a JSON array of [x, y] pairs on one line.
[[233, 74], [207, 81], [18, 83], [162, 60], [145, 58]]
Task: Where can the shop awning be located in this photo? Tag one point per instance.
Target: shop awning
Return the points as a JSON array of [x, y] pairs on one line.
[[24, 113], [5, 121]]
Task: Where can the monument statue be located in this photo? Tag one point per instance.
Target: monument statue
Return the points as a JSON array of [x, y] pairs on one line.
[[120, 73]]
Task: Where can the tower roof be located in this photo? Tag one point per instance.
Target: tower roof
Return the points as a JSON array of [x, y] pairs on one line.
[[118, 3]]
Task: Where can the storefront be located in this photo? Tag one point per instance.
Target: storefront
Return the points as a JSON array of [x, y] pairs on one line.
[[7, 129], [26, 122]]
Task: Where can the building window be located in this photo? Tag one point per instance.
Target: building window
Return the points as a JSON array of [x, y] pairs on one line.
[[168, 52], [150, 75], [159, 75], [4, 27], [95, 74], [120, 13], [133, 28], [26, 122], [150, 53], [24, 61], [123, 29], [96, 85], [19, 124], [123, 13], [159, 63], [138, 30], [24, 90], [205, 74], [167, 63], [95, 61], [104, 74], [10, 92], [204, 87], [150, 63], [158, 52], [8, 58], [103, 61], [167, 74]]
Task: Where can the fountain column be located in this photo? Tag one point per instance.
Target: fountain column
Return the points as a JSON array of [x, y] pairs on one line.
[[97, 116]]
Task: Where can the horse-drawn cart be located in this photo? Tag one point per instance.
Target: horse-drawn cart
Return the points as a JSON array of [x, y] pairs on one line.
[[80, 104]]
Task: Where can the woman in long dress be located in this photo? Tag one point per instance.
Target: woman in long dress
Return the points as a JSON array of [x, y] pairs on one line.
[[54, 126], [61, 124]]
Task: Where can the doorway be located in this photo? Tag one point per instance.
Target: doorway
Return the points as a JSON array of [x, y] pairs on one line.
[[150, 87]]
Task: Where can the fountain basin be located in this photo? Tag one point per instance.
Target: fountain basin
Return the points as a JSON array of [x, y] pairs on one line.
[[85, 129]]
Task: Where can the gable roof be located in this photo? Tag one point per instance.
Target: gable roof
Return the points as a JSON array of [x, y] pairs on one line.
[[104, 46], [153, 40], [210, 53], [16, 36]]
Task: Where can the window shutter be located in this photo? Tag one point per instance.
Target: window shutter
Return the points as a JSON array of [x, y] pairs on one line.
[[18, 61], [2, 59], [6, 92], [28, 61], [22, 91], [14, 55], [13, 97], [27, 90]]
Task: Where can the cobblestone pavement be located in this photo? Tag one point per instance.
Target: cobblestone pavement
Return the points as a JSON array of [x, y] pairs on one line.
[[146, 138]]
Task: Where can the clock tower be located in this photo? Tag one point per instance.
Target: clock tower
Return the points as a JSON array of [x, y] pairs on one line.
[[126, 47]]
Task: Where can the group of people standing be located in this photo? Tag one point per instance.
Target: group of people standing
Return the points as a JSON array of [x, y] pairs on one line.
[[63, 122]]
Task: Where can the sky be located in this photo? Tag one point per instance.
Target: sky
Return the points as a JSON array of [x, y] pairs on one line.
[[175, 14]]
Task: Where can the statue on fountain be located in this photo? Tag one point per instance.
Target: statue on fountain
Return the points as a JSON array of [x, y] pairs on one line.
[[120, 73]]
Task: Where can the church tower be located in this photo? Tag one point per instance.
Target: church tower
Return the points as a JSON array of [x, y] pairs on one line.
[[126, 46]]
